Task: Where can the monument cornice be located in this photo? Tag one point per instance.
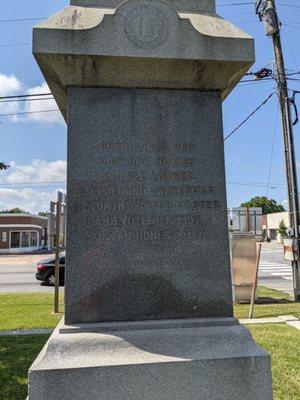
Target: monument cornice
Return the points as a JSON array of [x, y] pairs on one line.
[[141, 44]]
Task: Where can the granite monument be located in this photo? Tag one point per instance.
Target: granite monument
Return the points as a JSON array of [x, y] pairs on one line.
[[148, 297]]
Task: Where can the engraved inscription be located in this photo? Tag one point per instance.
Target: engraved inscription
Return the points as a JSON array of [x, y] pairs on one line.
[[146, 26], [159, 196]]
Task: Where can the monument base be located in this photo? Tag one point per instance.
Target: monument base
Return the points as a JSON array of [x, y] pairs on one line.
[[192, 359]]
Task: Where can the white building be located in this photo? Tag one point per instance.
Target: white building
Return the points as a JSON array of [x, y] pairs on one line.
[[22, 233], [272, 223], [238, 216]]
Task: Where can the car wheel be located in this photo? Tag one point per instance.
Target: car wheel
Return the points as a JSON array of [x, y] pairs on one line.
[[51, 280]]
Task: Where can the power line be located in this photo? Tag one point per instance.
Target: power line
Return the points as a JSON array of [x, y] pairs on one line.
[[27, 112], [253, 3], [249, 116], [288, 5], [25, 95], [2, 21], [15, 44], [257, 184], [31, 187], [272, 151], [291, 26], [18, 100], [31, 182], [291, 49], [21, 96]]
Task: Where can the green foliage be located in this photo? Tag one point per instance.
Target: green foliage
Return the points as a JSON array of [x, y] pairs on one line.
[[15, 210], [269, 206], [282, 228], [3, 167]]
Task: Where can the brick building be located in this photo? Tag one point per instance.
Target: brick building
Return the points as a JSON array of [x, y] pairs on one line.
[[22, 233]]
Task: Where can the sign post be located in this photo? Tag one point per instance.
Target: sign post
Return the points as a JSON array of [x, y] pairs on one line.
[[255, 280]]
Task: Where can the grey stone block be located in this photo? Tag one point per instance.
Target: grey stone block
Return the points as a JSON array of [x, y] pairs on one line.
[[192, 362], [208, 6], [147, 234], [141, 43]]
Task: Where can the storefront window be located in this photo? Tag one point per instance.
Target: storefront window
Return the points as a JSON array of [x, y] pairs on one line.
[[25, 239], [4, 237], [15, 239], [33, 239]]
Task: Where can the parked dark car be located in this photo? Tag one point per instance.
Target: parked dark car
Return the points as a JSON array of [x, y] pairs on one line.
[[46, 270]]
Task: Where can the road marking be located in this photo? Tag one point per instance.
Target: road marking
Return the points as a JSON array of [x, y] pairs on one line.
[[271, 251], [276, 269], [280, 273]]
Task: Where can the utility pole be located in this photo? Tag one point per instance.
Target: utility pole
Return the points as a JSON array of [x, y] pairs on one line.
[[57, 250], [248, 218], [266, 9]]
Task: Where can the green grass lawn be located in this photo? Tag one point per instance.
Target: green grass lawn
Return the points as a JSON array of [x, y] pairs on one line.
[[35, 310], [18, 352], [271, 303], [28, 311], [283, 343]]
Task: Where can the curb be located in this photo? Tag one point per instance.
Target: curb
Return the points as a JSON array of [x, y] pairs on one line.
[[24, 332], [281, 319]]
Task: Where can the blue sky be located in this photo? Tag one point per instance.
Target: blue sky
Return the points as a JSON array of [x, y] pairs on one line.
[[35, 145]]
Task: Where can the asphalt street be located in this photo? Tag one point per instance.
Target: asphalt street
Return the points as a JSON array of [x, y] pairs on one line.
[[274, 272], [17, 272]]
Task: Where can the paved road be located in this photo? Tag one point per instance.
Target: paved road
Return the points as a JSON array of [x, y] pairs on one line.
[[17, 274], [274, 271]]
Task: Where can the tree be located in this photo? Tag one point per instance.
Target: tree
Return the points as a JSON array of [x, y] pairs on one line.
[[282, 228], [269, 206], [15, 210], [3, 167]]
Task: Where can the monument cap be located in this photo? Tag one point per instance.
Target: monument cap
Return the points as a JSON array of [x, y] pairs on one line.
[[180, 5], [141, 44]]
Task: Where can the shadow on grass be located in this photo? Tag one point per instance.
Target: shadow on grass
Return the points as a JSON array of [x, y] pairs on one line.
[[17, 353], [271, 300]]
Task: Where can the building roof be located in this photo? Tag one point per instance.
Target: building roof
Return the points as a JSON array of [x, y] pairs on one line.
[[22, 215]]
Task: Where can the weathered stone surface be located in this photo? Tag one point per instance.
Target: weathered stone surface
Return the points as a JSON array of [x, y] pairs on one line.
[[147, 233], [180, 5], [147, 228], [175, 362], [141, 43]]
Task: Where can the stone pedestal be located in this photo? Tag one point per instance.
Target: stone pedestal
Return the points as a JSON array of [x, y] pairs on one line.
[[151, 193], [194, 359], [148, 283]]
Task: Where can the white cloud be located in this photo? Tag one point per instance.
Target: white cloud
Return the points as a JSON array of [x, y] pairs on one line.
[[10, 85], [40, 105], [30, 200], [21, 185], [37, 171]]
